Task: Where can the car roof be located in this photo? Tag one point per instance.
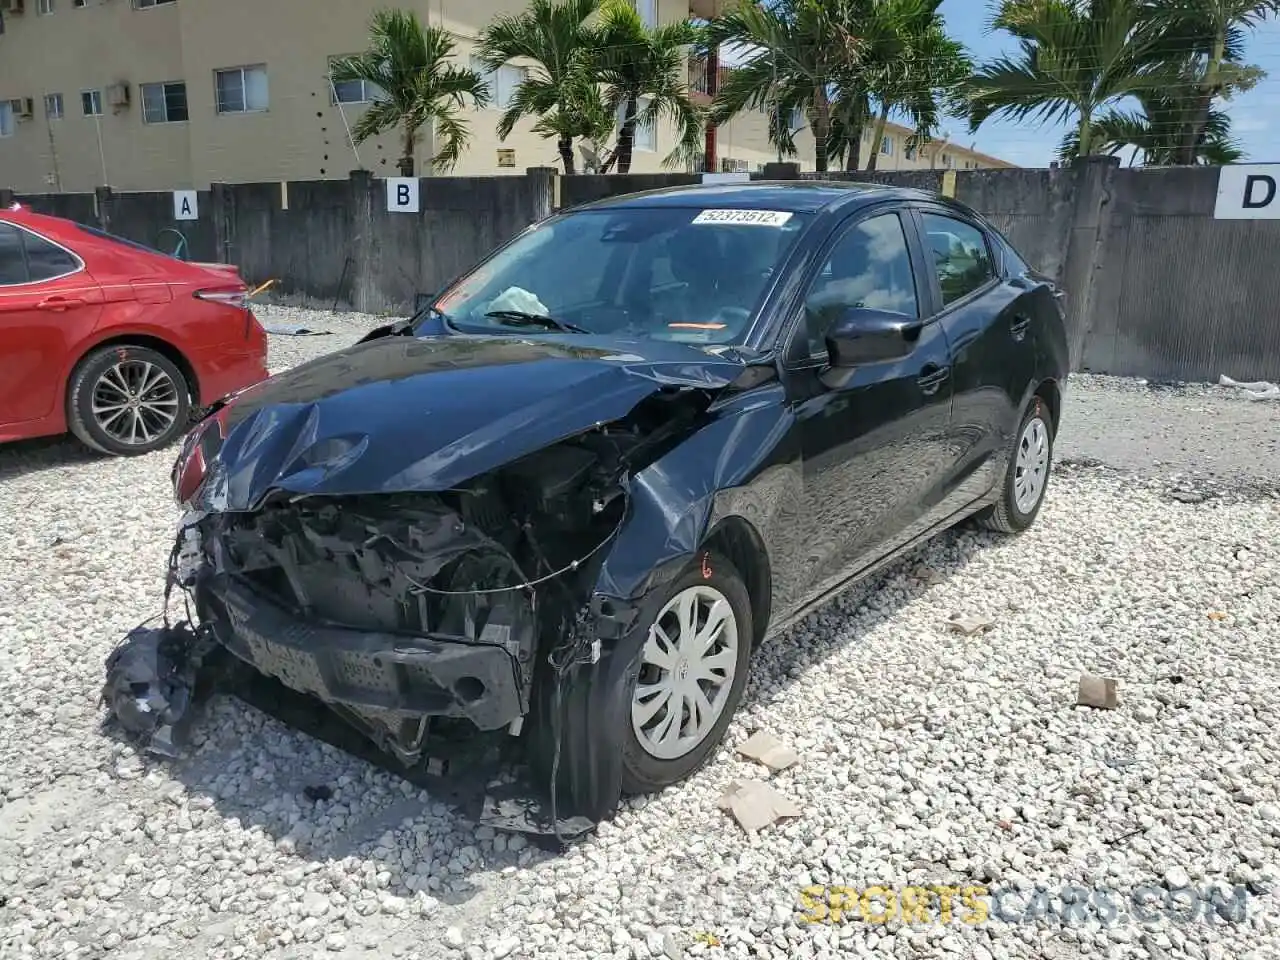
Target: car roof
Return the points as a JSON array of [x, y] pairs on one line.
[[22, 214], [795, 196]]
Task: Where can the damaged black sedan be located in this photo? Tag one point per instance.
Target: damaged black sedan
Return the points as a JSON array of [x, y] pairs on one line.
[[566, 500]]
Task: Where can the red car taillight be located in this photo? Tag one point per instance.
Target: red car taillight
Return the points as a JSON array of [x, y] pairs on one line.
[[236, 297]]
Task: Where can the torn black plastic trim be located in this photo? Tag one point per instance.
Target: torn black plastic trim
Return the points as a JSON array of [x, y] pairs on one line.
[[151, 683], [429, 675]]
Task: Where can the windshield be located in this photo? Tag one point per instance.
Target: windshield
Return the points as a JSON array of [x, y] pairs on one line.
[[664, 273]]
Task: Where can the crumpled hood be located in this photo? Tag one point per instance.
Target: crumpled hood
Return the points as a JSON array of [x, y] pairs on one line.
[[401, 414]]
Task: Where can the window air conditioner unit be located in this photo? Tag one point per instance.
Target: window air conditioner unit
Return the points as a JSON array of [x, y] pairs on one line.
[[118, 95], [23, 108]]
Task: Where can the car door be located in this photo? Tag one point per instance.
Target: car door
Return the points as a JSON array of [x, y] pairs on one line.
[[871, 437], [992, 353], [48, 303]]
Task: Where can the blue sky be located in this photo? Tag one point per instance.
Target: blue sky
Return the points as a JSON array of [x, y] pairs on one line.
[[1030, 145]]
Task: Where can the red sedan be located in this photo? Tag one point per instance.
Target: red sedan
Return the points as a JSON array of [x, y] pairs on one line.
[[113, 341]]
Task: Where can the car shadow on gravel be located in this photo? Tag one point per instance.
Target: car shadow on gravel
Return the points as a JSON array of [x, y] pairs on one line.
[[290, 769], [25, 457], [841, 624]]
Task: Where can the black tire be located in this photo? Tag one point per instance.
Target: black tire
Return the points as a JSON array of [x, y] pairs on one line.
[[88, 379], [641, 771], [1005, 515]]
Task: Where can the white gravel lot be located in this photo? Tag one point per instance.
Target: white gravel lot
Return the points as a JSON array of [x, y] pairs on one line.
[[928, 757]]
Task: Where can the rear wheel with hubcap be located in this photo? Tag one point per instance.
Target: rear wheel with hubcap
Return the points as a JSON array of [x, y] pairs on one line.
[[127, 400], [1030, 463], [690, 675]]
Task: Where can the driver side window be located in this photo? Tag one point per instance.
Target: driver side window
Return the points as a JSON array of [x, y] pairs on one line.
[[869, 266]]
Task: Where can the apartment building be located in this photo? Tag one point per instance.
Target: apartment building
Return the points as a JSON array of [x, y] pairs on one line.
[[174, 94]]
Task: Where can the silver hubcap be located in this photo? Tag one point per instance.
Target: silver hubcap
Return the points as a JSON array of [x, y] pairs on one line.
[[686, 672], [1031, 468], [135, 402]]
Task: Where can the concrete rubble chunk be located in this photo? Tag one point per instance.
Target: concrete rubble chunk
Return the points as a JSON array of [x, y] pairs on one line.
[[1099, 692], [755, 804], [764, 747], [969, 624]]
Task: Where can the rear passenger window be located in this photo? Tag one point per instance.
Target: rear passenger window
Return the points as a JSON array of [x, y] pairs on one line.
[[960, 256], [46, 260], [12, 267]]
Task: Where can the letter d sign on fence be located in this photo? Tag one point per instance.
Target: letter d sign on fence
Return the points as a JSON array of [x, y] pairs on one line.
[[1248, 192], [402, 194]]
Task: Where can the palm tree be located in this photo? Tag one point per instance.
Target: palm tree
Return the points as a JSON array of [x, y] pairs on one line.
[[561, 89], [911, 65], [806, 48], [409, 65], [635, 62], [1075, 57], [1204, 41], [1154, 133]]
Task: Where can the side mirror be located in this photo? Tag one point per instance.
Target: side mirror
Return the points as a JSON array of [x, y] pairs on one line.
[[860, 335]]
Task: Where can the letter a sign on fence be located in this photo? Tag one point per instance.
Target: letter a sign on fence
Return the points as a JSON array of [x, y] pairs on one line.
[[184, 205], [402, 194], [1248, 192]]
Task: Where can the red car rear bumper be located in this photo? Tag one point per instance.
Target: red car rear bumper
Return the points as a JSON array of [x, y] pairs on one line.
[[228, 367]]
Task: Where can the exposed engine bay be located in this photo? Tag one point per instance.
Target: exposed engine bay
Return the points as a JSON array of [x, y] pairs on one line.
[[420, 615]]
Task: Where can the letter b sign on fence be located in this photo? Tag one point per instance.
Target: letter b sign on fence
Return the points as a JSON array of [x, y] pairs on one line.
[[402, 194], [1248, 192]]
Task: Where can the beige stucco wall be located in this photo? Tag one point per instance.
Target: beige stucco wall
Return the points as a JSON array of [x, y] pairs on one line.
[[79, 49], [301, 136]]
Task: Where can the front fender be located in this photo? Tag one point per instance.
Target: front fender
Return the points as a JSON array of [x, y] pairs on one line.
[[743, 463]]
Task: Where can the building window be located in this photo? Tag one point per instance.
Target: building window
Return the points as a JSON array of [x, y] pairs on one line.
[[6, 119], [79, 4], [796, 119], [886, 146], [44, 8], [946, 159], [910, 152], [164, 102], [241, 89], [91, 103], [646, 135], [144, 4], [353, 91], [502, 82], [648, 10], [53, 106]]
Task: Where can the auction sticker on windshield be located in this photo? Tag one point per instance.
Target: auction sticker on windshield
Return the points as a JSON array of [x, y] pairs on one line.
[[753, 218]]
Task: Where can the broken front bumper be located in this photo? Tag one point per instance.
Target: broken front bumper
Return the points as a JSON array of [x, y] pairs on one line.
[[369, 672]]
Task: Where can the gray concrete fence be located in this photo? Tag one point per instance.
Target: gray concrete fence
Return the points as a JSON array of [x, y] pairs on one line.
[[1157, 287]]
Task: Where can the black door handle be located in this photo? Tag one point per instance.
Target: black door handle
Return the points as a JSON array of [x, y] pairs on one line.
[[931, 378], [1018, 326]]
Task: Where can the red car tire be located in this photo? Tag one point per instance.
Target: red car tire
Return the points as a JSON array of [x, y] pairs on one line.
[[128, 400]]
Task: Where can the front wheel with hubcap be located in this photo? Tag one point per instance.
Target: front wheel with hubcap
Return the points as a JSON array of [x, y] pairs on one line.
[[127, 400], [1030, 463], [690, 675]]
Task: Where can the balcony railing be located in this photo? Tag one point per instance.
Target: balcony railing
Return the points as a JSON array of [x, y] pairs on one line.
[[700, 76]]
